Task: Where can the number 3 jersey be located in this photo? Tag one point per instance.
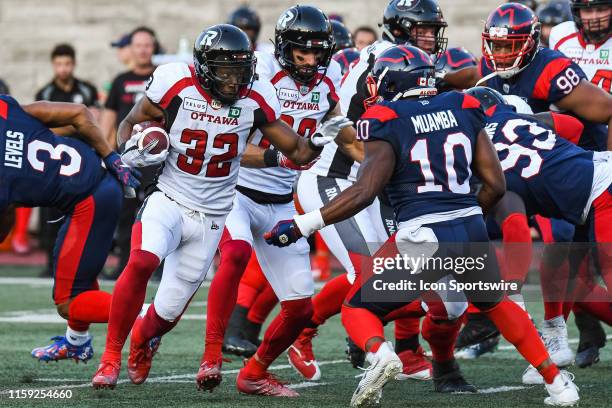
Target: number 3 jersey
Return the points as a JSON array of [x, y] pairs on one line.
[[302, 108], [548, 78], [39, 168], [433, 140], [207, 139], [553, 177]]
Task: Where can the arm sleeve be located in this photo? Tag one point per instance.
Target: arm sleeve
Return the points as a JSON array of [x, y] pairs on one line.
[[558, 79]]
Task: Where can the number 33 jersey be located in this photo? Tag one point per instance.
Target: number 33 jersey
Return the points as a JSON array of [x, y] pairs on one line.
[[39, 168], [302, 108], [207, 139]]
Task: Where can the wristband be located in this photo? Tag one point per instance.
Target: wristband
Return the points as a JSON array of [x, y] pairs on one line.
[[309, 223], [270, 158]]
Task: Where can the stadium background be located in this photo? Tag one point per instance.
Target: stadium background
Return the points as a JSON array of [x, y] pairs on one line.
[[30, 29]]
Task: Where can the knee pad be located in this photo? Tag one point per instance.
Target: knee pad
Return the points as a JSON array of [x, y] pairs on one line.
[[299, 310]]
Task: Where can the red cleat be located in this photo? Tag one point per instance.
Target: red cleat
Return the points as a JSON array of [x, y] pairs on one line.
[[267, 385], [416, 365], [106, 375], [140, 359], [302, 358], [209, 375]]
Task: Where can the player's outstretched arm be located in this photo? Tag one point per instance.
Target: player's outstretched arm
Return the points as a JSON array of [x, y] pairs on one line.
[[143, 111], [296, 148], [374, 174], [60, 114], [488, 169], [591, 103]]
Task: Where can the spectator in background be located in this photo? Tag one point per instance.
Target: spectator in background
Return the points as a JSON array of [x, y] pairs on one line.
[[364, 36], [4, 89], [127, 89], [248, 21], [63, 87], [124, 52]]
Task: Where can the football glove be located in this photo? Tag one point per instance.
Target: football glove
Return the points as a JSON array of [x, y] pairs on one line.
[[327, 131], [283, 234], [285, 162], [134, 156], [129, 178]]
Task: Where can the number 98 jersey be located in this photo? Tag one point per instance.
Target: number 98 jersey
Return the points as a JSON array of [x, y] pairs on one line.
[[207, 139], [39, 168], [433, 140], [548, 78]]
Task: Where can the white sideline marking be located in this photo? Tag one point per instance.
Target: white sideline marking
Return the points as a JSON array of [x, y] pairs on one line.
[[180, 378], [51, 316], [503, 388]]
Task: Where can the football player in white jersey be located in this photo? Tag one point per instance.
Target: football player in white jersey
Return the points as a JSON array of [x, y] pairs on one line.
[[586, 40], [305, 80], [421, 23], [209, 112]]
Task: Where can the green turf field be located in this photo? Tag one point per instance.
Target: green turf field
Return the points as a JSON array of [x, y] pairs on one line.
[[27, 321]]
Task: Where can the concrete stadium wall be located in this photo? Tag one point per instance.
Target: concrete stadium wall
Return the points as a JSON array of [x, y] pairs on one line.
[[30, 28]]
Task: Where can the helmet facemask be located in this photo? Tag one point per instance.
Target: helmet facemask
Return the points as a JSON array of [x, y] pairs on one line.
[[300, 72], [597, 29], [507, 54], [229, 76]]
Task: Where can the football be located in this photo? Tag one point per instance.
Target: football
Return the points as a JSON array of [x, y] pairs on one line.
[[151, 131]]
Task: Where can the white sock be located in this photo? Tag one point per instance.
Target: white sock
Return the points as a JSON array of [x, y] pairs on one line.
[[77, 338]]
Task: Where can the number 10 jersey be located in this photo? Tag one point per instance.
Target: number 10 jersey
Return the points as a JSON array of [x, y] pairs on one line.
[[207, 139]]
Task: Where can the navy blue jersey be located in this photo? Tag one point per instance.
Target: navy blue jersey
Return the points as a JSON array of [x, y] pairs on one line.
[[433, 140], [39, 168], [553, 176], [548, 78]]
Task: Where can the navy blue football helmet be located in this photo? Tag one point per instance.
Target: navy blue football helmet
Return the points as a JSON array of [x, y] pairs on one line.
[[401, 71], [510, 39], [345, 58]]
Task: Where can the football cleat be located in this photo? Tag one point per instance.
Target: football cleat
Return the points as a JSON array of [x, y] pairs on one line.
[[416, 365], [107, 374], [354, 354], [267, 385], [478, 349], [554, 335], [238, 346], [209, 375], [61, 349], [384, 365], [563, 392], [477, 329], [531, 376], [140, 360], [587, 357], [447, 378], [301, 357]]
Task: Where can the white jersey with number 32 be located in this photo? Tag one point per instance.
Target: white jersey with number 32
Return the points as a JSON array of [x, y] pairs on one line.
[[207, 139], [593, 59], [302, 108]]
